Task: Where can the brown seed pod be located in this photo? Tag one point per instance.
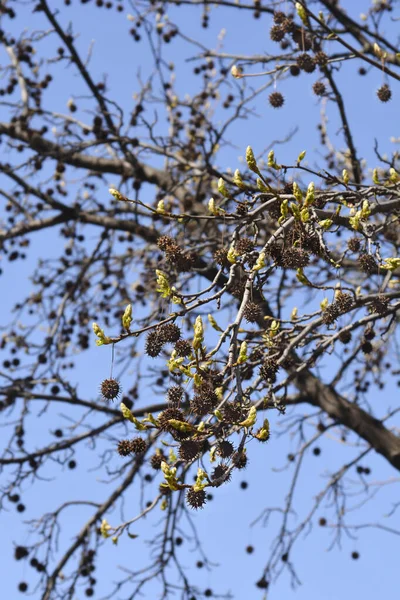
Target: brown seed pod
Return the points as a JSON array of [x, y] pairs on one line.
[[384, 93], [110, 389], [196, 499], [276, 99]]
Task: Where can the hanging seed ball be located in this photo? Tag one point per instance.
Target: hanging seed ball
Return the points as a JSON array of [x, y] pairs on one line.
[[220, 470], [240, 460], [244, 245], [368, 264], [294, 258], [384, 93], [165, 242], [288, 25], [154, 344], [124, 447], [233, 412], [237, 289], [204, 400], [169, 333], [330, 314], [20, 552], [366, 347], [379, 305], [345, 336], [321, 58], [369, 333], [343, 301], [221, 257], [156, 460], [279, 17], [183, 348], [294, 70], [110, 389], [138, 445], [225, 449], [354, 244], [196, 499], [319, 88], [174, 395], [176, 414], [305, 62], [276, 99], [189, 450], [252, 312], [276, 33], [269, 369], [262, 583]]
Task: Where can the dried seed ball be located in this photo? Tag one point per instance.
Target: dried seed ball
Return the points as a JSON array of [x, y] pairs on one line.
[[279, 17], [233, 412], [368, 264], [276, 33], [345, 336], [196, 499], [262, 583], [220, 470], [317, 451], [319, 88], [379, 305], [175, 394], [244, 245], [288, 25], [154, 344], [294, 70], [156, 460], [305, 62], [294, 258], [330, 314], [269, 369], [20, 552], [354, 244], [276, 99], [322, 522], [221, 257], [138, 445], [225, 449], [366, 347], [252, 312], [384, 93], [369, 333], [169, 333], [124, 447], [321, 58], [183, 348], [23, 586], [244, 485], [189, 450], [240, 460], [72, 464], [166, 242], [204, 400], [249, 549], [355, 555], [343, 301], [110, 389], [163, 420]]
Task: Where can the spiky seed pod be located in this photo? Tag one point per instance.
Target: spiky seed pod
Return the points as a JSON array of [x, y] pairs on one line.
[[252, 312], [366, 347], [369, 333], [189, 450], [185, 262], [354, 244], [379, 305], [183, 348], [330, 314], [169, 333], [124, 447], [156, 460], [165, 242], [305, 62], [167, 414], [233, 412], [237, 288], [312, 243], [288, 25], [220, 471], [345, 336], [276, 33], [240, 460], [221, 257], [225, 449], [276, 99], [294, 258], [321, 58], [201, 406], [154, 344], [368, 264], [384, 93], [244, 245], [319, 88], [269, 369], [110, 389], [196, 499], [138, 445], [174, 395], [279, 17], [343, 301], [294, 70]]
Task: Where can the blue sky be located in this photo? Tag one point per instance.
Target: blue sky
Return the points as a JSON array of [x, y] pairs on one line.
[[224, 524]]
